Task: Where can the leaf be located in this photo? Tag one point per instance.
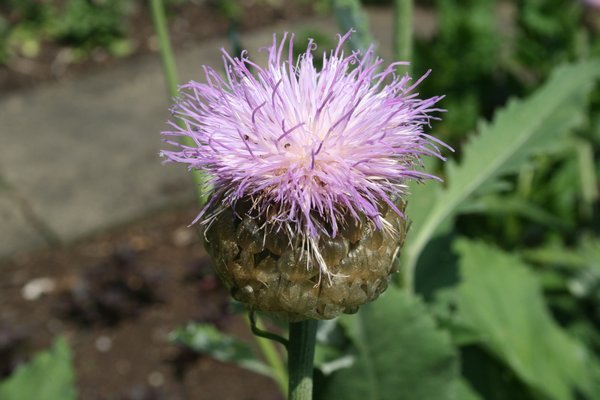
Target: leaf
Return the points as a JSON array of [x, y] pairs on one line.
[[48, 376], [587, 173], [208, 340], [501, 299], [510, 205], [330, 351], [552, 254], [523, 129], [437, 268], [490, 378], [399, 354], [465, 392]]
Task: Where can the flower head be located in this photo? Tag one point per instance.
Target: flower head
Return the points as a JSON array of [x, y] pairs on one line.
[[306, 147]]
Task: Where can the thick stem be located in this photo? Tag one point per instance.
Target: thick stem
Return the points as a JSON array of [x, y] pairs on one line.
[[172, 81], [301, 354], [403, 34]]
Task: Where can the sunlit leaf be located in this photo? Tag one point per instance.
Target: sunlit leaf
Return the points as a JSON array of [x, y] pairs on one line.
[[501, 299], [399, 354], [504, 206], [206, 339], [48, 376]]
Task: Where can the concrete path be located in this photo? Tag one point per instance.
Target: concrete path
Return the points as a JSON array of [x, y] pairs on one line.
[[81, 156]]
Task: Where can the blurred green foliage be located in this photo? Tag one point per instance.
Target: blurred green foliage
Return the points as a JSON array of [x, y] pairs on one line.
[[87, 24], [397, 350], [48, 376], [485, 51], [205, 338], [465, 55], [83, 25]]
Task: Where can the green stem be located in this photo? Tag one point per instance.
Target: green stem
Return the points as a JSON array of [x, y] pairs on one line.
[[166, 52], [172, 81], [403, 34], [403, 51], [301, 354]]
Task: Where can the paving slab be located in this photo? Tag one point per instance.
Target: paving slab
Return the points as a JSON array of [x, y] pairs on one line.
[[18, 234], [84, 153]]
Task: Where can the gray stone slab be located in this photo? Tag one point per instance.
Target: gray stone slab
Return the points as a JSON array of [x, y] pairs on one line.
[[84, 153], [16, 232]]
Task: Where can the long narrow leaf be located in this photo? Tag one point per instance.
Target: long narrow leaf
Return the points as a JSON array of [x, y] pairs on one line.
[[207, 339]]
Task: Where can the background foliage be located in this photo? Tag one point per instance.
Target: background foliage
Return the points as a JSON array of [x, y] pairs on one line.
[[82, 25], [49, 375]]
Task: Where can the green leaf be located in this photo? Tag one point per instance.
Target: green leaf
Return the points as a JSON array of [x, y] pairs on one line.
[[587, 174], [523, 129], [437, 268], [399, 354], [490, 378], [48, 376], [208, 340], [501, 299], [465, 392], [552, 253], [510, 205], [330, 352]]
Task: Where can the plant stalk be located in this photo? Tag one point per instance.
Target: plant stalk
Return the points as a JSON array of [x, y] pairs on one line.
[[403, 32], [172, 81], [301, 354], [403, 51]]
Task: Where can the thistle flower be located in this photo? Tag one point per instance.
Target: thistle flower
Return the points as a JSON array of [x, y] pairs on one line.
[[308, 173]]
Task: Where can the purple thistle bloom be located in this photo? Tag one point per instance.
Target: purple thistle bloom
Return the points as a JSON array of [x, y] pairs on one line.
[[305, 146]]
